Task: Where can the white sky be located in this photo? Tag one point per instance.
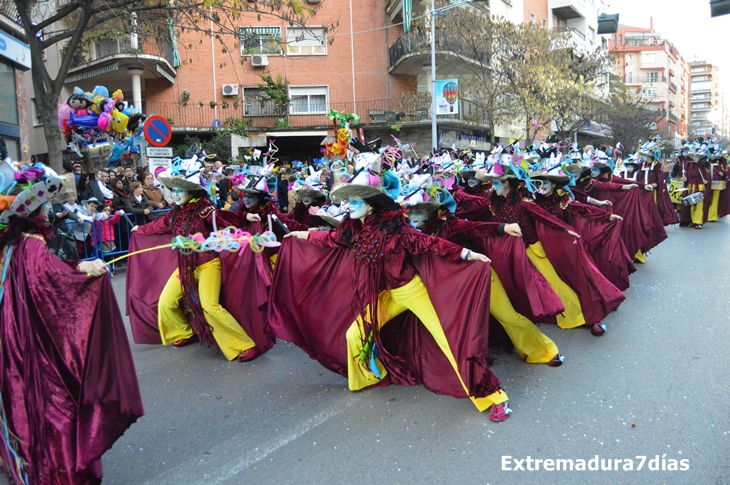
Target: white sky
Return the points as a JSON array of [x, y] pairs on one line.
[[685, 23]]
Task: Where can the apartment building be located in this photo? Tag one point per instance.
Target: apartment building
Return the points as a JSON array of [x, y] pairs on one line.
[[376, 63], [14, 62], [707, 113], [652, 66]]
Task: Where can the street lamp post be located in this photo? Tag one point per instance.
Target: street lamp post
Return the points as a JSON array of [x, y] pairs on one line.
[[434, 128]]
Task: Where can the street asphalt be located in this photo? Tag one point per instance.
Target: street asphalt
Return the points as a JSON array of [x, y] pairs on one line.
[[655, 385]]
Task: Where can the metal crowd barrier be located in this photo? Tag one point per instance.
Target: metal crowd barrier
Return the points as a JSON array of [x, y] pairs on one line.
[[89, 236]]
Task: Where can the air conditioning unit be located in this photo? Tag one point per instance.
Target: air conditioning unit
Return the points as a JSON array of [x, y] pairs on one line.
[[259, 60], [230, 90]]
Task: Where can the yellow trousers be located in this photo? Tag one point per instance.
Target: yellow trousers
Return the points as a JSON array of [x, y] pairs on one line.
[[572, 317], [391, 303], [173, 324], [712, 215], [533, 345], [697, 211]]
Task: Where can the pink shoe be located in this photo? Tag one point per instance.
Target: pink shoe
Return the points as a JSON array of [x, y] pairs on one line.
[[185, 342], [500, 412], [249, 354]]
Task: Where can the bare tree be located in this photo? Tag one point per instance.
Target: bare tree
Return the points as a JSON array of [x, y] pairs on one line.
[[75, 19]]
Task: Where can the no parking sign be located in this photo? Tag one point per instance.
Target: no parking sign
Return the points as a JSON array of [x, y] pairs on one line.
[[157, 131]]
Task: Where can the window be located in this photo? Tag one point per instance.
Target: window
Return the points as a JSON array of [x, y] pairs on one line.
[[652, 77], [629, 58], [36, 119], [254, 105], [648, 92], [630, 77], [632, 92], [260, 40], [306, 41], [543, 23], [308, 100], [592, 33], [533, 18], [8, 96], [648, 58]]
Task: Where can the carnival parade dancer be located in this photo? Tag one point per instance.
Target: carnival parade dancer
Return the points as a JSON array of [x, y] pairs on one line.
[[694, 170], [198, 278], [435, 219], [390, 266], [600, 231], [718, 175], [562, 258], [68, 386]]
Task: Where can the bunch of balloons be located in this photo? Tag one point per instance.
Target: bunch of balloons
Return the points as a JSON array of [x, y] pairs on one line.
[[97, 117]]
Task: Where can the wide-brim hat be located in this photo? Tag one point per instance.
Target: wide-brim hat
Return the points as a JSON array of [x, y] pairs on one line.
[[491, 176], [180, 182], [347, 191], [323, 220], [374, 195], [601, 165], [427, 207], [577, 168], [557, 179], [468, 174], [311, 192]]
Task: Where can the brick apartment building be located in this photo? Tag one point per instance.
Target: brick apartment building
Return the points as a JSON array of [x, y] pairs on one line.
[[652, 66], [369, 65]]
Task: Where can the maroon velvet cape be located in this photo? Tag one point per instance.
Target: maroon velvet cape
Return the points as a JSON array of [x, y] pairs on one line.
[[311, 305], [642, 226], [244, 288], [604, 243], [570, 258], [528, 290], [667, 210], [69, 386]]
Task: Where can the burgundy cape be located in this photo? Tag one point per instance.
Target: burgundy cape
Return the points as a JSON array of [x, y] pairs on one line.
[[311, 305], [69, 386], [244, 288], [528, 290], [642, 226], [598, 296], [667, 211]]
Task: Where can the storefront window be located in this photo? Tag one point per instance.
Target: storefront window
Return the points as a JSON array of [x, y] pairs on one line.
[[8, 100]]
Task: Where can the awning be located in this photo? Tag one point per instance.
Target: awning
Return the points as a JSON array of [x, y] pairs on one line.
[[94, 73], [283, 134]]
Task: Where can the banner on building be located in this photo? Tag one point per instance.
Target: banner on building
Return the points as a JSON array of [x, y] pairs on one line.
[[447, 97]]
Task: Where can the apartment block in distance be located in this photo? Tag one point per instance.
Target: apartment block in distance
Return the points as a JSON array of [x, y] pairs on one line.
[[706, 100], [652, 67]]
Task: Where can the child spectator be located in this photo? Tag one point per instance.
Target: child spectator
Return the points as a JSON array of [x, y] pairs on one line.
[[232, 198]]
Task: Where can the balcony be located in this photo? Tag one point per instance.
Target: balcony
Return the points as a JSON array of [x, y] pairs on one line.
[[412, 51], [259, 115], [644, 80], [672, 118], [9, 17], [100, 61], [569, 9], [673, 87]]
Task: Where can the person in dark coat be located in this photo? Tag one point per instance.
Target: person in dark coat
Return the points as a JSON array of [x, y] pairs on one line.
[[137, 203]]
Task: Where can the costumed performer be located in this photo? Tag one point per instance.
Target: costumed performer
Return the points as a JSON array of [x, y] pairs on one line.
[[197, 279], [435, 219], [68, 386], [557, 252], [390, 265], [599, 230]]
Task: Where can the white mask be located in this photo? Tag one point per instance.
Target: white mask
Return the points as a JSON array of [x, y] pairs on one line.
[[180, 196], [357, 208]]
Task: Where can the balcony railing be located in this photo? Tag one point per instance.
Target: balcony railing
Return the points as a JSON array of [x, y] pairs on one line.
[[564, 29], [420, 43], [672, 86], [263, 114], [645, 80], [672, 117], [110, 47], [8, 8]]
